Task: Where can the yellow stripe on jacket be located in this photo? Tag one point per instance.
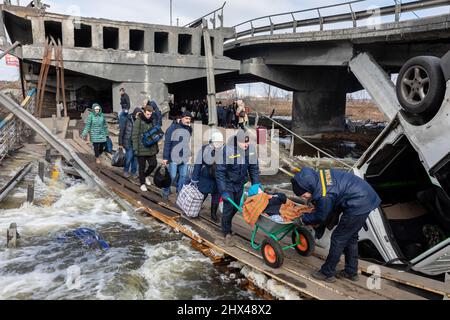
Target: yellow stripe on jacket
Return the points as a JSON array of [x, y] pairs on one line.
[[322, 180]]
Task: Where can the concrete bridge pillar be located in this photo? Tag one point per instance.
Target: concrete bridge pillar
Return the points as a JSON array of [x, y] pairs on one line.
[[318, 111]]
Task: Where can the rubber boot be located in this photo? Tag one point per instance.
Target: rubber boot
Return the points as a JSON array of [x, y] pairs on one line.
[[214, 208]]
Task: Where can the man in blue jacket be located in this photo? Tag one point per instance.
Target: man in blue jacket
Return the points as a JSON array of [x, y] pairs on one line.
[[177, 151], [337, 191], [239, 161]]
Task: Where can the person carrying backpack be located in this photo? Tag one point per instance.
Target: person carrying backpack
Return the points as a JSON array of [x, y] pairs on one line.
[[145, 154], [97, 128], [157, 115], [126, 143]]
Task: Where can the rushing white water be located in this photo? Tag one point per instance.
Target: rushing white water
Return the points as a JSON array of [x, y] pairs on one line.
[[144, 262]]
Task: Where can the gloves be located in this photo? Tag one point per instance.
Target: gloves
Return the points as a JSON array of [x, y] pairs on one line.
[[225, 196]]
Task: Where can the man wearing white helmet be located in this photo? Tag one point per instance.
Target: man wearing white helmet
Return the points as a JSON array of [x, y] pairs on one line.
[[204, 174]]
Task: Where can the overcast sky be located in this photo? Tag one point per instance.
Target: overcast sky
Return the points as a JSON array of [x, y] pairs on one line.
[[235, 11]]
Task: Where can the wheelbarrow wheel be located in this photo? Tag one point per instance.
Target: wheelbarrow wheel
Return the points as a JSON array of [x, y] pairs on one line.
[[272, 253], [304, 240]]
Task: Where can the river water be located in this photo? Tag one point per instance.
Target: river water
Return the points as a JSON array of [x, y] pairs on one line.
[[144, 261]]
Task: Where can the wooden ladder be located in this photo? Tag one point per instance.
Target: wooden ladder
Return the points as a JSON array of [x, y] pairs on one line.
[[50, 46]]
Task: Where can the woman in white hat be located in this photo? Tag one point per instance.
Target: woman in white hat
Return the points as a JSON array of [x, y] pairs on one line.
[[204, 174]]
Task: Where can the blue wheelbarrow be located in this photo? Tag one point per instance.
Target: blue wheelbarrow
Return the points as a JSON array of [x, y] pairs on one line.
[[271, 249]]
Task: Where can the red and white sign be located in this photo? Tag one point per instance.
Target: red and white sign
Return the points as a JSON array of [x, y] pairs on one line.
[[11, 61]]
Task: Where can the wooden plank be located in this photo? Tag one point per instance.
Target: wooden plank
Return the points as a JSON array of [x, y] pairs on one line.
[[400, 276], [409, 279], [294, 262], [387, 290], [311, 289], [315, 262], [152, 195], [113, 177], [127, 188], [77, 149], [301, 285]]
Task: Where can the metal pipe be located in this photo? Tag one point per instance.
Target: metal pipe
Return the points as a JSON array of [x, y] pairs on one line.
[[14, 181], [309, 143]]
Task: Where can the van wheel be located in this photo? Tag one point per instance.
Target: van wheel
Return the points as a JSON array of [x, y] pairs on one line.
[[272, 253], [304, 240], [420, 85]]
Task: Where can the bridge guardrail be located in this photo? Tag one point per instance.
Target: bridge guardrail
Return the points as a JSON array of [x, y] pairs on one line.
[[354, 16], [13, 131], [215, 15]]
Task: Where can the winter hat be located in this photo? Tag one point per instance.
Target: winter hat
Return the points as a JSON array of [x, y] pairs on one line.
[[136, 111], [297, 189], [216, 136], [186, 114]]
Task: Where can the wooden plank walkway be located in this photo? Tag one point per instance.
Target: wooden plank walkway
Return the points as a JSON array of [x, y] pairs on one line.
[[295, 272]]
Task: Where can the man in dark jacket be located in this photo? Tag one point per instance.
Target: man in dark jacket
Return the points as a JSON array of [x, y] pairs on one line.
[[144, 123], [221, 115], [126, 142], [204, 174], [238, 162], [125, 107], [337, 191], [177, 151]]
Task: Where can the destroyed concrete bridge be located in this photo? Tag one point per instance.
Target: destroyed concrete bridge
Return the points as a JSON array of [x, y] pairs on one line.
[[145, 59], [155, 61]]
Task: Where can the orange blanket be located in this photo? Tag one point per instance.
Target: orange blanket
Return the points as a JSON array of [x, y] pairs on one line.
[[254, 206], [290, 210]]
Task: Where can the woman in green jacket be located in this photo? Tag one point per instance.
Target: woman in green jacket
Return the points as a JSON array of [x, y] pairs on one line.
[[143, 123], [97, 128]]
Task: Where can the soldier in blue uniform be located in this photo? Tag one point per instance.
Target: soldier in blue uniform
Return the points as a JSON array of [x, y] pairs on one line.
[[337, 191], [238, 163]]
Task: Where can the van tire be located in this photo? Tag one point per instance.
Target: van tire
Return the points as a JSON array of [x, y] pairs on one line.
[[420, 85]]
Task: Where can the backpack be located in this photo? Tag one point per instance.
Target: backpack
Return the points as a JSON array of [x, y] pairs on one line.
[[152, 136]]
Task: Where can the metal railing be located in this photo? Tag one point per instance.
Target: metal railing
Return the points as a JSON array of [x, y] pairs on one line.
[[351, 16], [319, 150], [14, 132], [215, 15]]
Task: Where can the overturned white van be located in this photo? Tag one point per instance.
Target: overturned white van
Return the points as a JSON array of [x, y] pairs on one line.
[[409, 164]]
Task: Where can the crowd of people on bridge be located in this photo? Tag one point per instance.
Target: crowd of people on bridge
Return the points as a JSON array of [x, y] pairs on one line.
[[233, 115], [222, 169]]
